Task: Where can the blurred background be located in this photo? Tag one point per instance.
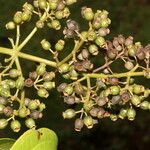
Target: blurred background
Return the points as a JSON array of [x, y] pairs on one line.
[[129, 17]]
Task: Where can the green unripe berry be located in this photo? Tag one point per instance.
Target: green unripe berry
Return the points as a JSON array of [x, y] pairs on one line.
[[18, 17], [144, 105], [45, 44], [20, 83], [69, 113], [13, 73], [11, 83], [4, 85], [23, 112], [4, 92], [131, 113], [146, 93], [88, 121], [66, 12], [26, 16], [53, 5], [10, 25], [33, 104], [59, 14], [91, 35], [113, 117], [39, 24], [107, 92], [137, 89], [15, 125], [64, 68], [100, 41], [135, 100], [73, 74], [42, 107], [84, 34], [105, 22], [59, 46], [68, 90], [123, 113], [41, 69], [49, 85], [131, 51], [3, 123], [115, 90], [93, 49], [55, 24], [42, 93], [30, 123], [48, 76], [42, 4], [28, 7], [87, 13]]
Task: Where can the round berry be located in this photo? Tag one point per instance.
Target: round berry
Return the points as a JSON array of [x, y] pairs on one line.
[[30, 123], [131, 113], [15, 125], [69, 113], [135, 100], [23, 112], [88, 121], [10, 25], [3, 123], [64, 68], [42, 92], [78, 124], [45, 44]]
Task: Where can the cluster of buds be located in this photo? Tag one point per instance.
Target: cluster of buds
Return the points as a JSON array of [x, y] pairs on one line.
[[31, 110]]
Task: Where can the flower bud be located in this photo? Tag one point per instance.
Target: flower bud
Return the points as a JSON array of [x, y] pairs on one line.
[[64, 68], [41, 69], [131, 113], [68, 114], [30, 123], [49, 85], [45, 44], [135, 100], [13, 73], [15, 125], [10, 25], [48, 76], [88, 121], [87, 13], [78, 124], [42, 92], [59, 46], [20, 83]]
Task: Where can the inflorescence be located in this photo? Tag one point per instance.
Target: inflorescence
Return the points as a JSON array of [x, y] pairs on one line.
[[92, 92]]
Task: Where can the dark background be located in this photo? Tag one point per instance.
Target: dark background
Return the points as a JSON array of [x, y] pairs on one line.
[[129, 17]]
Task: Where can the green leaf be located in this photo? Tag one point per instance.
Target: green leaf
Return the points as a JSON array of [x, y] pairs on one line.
[[6, 143], [41, 139]]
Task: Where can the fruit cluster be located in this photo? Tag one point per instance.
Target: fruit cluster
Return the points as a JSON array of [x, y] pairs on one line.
[[93, 91]]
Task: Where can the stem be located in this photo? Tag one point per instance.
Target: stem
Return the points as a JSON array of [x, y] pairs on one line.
[[89, 89], [28, 57], [27, 39], [17, 36], [118, 75], [76, 48]]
